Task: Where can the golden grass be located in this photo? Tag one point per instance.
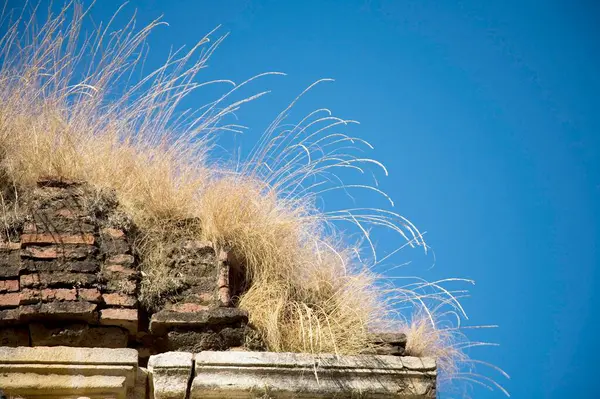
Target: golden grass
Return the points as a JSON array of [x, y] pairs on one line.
[[69, 106]]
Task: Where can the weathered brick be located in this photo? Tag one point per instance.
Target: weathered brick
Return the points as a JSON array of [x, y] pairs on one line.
[[188, 308], [121, 270], [113, 246], [10, 300], [9, 285], [114, 233], [11, 270], [54, 252], [59, 294], [83, 266], [79, 266], [116, 299], [10, 246], [48, 238], [90, 294], [9, 316], [124, 318], [29, 296], [30, 280], [56, 311], [62, 278], [124, 286], [121, 259]]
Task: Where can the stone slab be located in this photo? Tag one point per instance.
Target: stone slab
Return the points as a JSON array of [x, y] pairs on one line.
[[293, 375], [60, 372], [170, 374]]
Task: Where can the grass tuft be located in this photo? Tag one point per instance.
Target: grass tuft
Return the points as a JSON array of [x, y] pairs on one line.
[[71, 106]]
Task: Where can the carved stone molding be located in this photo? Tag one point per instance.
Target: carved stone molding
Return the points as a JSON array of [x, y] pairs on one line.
[[289, 375], [62, 372]]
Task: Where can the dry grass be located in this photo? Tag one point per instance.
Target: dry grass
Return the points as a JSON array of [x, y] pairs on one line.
[[70, 106]]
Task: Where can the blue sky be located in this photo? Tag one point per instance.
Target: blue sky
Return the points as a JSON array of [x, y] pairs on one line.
[[487, 116]]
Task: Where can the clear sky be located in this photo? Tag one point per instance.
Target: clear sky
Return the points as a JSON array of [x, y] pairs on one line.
[[487, 116]]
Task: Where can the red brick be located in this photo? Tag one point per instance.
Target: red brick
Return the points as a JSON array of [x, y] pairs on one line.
[[29, 296], [124, 318], [9, 246], [116, 299], [9, 300], [47, 238], [189, 308], [90, 294], [120, 260], [114, 233], [9, 285], [30, 280], [59, 294], [54, 252]]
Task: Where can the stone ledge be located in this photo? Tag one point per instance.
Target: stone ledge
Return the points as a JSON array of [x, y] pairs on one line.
[[54, 372], [289, 375]]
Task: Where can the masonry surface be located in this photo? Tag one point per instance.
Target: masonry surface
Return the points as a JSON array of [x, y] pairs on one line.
[[70, 278]]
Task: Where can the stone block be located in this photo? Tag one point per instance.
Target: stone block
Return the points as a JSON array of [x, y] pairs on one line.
[[124, 318], [170, 374], [286, 375], [63, 372]]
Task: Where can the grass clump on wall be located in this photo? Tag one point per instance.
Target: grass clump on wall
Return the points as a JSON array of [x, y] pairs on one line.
[[71, 106]]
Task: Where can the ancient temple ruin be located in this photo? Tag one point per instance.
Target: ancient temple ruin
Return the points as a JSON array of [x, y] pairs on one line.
[[71, 325]]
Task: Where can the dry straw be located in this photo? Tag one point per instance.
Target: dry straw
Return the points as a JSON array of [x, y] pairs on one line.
[[73, 104]]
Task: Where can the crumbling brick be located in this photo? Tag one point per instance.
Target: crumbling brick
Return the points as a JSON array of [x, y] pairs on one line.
[[116, 299], [29, 296], [10, 300], [121, 259], [90, 294], [48, 238], [9, 285], [59, 294], [30, 280], [124, 318]]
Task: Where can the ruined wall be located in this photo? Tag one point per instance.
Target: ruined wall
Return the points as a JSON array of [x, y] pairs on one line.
[[70, 278]]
